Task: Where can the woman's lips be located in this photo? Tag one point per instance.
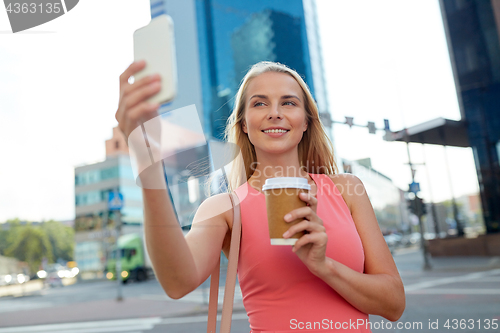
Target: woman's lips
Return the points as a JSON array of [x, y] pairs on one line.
[[276, 135]]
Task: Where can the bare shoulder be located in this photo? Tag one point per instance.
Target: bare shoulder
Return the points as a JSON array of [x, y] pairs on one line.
[[349, 186], [215, 210]]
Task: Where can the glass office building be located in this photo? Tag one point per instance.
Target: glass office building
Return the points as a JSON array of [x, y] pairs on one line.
[[218, 41], [473, 31]]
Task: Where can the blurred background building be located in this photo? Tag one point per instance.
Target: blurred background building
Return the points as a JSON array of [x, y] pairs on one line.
[[472, 32], [473, 28], [95, 225], [387, 199]]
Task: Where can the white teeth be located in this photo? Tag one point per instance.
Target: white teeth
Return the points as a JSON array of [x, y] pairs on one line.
[[275, 131]]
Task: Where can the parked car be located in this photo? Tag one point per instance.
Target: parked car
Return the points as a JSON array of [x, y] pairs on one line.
[[411, 239], [54, 275], [13, 279], [393, 240]]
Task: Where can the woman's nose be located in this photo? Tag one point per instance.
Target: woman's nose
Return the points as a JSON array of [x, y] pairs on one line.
[[274, 112]]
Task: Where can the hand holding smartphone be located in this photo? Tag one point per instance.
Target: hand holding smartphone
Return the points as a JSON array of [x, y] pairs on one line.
[[155, 44]]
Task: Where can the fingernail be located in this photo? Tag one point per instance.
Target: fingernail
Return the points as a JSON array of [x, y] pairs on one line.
[[285, 235], [288, 217]]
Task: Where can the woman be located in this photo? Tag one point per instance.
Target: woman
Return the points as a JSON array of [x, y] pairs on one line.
[[337, 273]]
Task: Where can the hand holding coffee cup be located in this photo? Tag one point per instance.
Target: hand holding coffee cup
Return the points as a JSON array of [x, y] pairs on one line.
[[282, 196]]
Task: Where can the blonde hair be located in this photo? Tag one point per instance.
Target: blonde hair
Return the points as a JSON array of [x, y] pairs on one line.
[[315, 149]]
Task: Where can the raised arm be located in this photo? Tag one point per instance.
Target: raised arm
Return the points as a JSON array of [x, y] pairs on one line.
[[181, 264]]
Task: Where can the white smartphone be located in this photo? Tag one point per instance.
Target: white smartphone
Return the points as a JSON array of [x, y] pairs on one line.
[[155, 44]]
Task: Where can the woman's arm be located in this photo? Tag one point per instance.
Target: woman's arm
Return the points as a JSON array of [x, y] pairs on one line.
[[379, 290], [180, 264]]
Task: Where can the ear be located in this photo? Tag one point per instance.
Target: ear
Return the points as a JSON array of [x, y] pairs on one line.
[[304, 128], [244, 127]]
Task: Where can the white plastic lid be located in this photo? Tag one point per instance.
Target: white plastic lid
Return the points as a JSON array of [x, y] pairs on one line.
[[286, 182]]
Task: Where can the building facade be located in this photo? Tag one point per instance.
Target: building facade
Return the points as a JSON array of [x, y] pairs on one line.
[[388, 200], [473, 29], [95, 226]]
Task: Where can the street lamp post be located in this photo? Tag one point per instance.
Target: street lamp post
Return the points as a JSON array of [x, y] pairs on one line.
[[425, 251], [433, 207], [115, 203], [119, 295]]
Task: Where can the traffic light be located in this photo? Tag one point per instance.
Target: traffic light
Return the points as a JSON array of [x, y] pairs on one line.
[[416, 206], [412, 207], [423, 207]]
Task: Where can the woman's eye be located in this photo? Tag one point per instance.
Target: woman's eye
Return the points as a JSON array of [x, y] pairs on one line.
[[258, 104], [289, 103]]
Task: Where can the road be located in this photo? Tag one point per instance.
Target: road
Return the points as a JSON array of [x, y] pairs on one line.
[[464, 289]]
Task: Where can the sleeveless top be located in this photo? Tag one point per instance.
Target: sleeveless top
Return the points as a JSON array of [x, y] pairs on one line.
[[280, 294]]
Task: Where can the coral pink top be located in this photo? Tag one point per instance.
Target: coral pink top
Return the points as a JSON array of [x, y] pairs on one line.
[[279, 293]]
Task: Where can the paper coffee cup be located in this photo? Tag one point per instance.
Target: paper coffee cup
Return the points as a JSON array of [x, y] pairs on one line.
[[282, 196]]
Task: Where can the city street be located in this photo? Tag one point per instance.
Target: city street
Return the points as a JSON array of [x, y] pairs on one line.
[[463, 289]]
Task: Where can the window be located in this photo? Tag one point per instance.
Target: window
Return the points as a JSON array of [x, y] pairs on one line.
[[109, 173]]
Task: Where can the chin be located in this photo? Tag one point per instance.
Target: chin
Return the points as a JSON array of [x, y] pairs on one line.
[[277, 150]]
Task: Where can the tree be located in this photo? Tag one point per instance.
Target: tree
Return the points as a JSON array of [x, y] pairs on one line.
[[61, 239], [6, 232], [29, 244]]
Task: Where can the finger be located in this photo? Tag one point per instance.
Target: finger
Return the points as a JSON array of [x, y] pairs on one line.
[[305, 225], [137, 96], [316, 239], [129, 89], [131, 70], [143, 112], [308, 198], [141, 95], [303, 212]]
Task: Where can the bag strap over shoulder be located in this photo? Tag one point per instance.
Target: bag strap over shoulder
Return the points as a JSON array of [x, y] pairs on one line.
[[234, 251]]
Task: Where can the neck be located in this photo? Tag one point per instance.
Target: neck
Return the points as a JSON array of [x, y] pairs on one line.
[[271, 166]]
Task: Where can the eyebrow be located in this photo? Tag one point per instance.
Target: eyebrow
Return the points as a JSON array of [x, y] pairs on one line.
[[282, 97]]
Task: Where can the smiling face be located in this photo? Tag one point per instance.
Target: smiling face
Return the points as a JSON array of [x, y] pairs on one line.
[[275, 116]]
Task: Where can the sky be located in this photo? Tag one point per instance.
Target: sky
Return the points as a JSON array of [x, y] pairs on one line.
[[59, 94]]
